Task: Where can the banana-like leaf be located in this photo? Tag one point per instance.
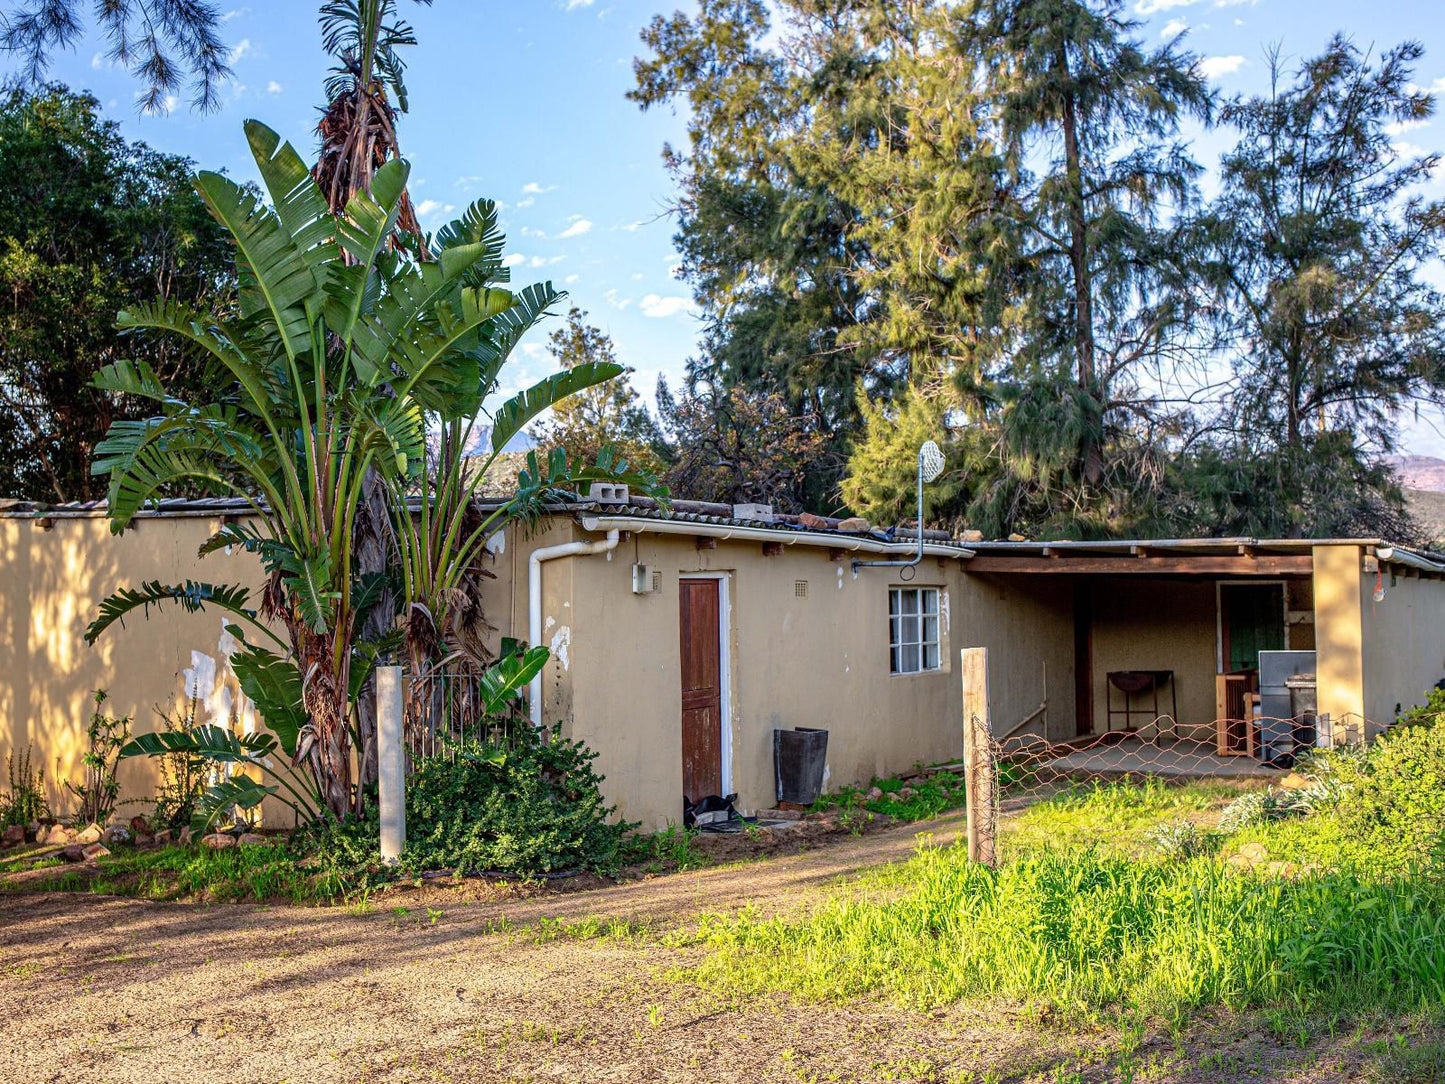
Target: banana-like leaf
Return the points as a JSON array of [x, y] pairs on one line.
[[470, 248], [214, 743], [136, 378], [507, 677], [239, 791], [368, 222], [298, 201], [190, 596], [309, 580], [273, 684], [519, 410]]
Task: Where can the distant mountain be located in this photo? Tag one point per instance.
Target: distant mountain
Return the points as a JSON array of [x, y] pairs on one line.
[[1419, 471]]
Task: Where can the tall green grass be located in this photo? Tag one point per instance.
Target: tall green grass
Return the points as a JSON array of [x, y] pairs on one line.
[[1079, 931]]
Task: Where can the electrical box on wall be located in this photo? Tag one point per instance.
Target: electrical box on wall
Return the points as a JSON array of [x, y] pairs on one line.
[[642, 580]]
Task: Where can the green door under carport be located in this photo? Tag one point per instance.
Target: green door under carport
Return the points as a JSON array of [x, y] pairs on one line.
[[1251, 620]]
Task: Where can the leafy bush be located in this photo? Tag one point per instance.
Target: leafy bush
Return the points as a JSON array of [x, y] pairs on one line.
[[1182, 839], [25, 802], [1257, 807], [531, 807], [1393, 798], [536, 807], [184, 774], [1426, 713], [99, 789]]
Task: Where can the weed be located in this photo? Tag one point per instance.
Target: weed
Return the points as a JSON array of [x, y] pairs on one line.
[[25, 800]]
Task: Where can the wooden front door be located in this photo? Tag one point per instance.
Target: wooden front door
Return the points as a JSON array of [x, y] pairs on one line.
[[701, 688]]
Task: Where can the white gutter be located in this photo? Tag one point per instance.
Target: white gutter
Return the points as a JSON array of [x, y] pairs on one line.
[[1391, 555], [722, 532], [534, 601]]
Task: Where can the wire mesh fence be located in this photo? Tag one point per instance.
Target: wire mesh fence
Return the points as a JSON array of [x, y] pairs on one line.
[[1008, 776], [446, 713]]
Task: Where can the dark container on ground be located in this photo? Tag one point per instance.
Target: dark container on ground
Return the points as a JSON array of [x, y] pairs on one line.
[[799, 757]]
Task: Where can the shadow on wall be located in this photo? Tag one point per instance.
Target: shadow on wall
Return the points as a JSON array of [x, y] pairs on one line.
[[51, 584]]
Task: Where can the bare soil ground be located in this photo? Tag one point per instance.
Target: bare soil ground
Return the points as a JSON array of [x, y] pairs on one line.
[[100, 989]]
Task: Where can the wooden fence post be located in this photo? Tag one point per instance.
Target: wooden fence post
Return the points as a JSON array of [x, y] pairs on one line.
[[978, 758], [390, 762]]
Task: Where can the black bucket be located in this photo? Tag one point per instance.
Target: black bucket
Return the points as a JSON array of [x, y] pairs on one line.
[[799, 757]]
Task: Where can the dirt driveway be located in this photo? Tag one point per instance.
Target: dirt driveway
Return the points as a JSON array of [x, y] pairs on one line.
[[101, 989]]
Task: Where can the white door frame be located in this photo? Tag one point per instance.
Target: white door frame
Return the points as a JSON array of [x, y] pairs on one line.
[[1219, 613], [725, 665]]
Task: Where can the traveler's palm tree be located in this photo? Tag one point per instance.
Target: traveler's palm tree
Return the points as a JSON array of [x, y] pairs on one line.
[[339, 353]]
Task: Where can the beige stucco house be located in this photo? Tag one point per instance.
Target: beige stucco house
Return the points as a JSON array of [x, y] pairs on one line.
[[680, 641]]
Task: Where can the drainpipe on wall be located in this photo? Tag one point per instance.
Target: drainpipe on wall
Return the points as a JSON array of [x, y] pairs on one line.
[[534, 601]]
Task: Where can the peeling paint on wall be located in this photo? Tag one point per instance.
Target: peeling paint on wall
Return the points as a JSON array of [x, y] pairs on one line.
[[560, 643], [944, 611], [496, 544], [840, 577]]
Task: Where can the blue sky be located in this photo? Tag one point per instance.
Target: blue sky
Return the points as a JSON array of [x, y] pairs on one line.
[[523, 102]]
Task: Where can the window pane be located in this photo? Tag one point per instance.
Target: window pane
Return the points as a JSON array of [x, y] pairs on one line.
[[909, 633], [930, 656], [893, 661], [930, 601], [909, 654], [930, 631], [910, 601], [892, 602]]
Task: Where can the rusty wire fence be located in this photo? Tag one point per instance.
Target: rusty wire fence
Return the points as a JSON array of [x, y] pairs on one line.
[[1015, 783], [445, 714]]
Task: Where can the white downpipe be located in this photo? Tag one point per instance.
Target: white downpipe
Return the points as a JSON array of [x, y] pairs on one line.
[[534, 601], [724, 532]]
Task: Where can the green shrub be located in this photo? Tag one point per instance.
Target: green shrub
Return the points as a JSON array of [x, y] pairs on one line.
[[1257, 807], [1393, 798], [1182, 839], [25, 802], [184, 774], [532, 807], [1426, 713], [98, 789]]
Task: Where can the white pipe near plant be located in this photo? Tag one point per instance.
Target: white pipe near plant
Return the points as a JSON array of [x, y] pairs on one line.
[[534, 601], [724, 532]]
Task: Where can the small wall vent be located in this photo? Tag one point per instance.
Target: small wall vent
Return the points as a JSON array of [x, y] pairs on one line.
[[800, 588], [656, 582]]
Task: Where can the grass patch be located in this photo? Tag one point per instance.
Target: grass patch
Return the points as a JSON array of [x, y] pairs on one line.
[[1080, 932], [262, 873], [917, 799]]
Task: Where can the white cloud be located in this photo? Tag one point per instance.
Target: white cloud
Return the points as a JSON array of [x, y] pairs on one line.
[[526, 202], [633, 227], [577, 229], [1406, 149], [545, 261], [570, 279], [662, 307], [242, 48], [1213, 67], [97, 62], [164, 107], [273, 87], [1400, 127], [638, 277], [532, 188], [235, 13], [535, 351], [616, 302], [573, 5], [1173, 28], [514, 260], [428, 207], [1153, 7], [1439, 84]]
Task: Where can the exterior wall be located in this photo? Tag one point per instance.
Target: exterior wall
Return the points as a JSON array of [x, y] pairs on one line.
[[1403, 643], [50, 584], [817, 661], [1027, 623], [1148, 623], [1339, 632]]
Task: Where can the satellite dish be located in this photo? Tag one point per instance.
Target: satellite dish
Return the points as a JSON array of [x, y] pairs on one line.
[[930, 461]]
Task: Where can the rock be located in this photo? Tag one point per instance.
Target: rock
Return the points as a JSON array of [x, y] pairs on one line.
[[812, 522], [905, 794], [116, 834], [92, 851], [1255, 852], [14, 835], [252, 839], [91, 833], [59, 834], [186, 835], [1017, 538], [143, 840], [875, 794], [784, 815], [854, 523], [162, 838], [139, 824], [218, 841], [1240, 861], [74, 852], [1294, 781], [971, 535]]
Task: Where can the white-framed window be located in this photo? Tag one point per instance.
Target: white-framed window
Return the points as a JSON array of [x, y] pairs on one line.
[[912, 629]]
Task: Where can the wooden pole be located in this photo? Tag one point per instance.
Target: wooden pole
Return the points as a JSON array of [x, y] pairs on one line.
[[977, 755]]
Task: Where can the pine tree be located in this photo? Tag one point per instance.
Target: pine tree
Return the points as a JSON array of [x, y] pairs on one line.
[[604, 415]]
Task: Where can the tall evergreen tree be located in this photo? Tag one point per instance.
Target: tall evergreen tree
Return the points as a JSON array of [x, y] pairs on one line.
[[1318, 248], [604, 415]]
